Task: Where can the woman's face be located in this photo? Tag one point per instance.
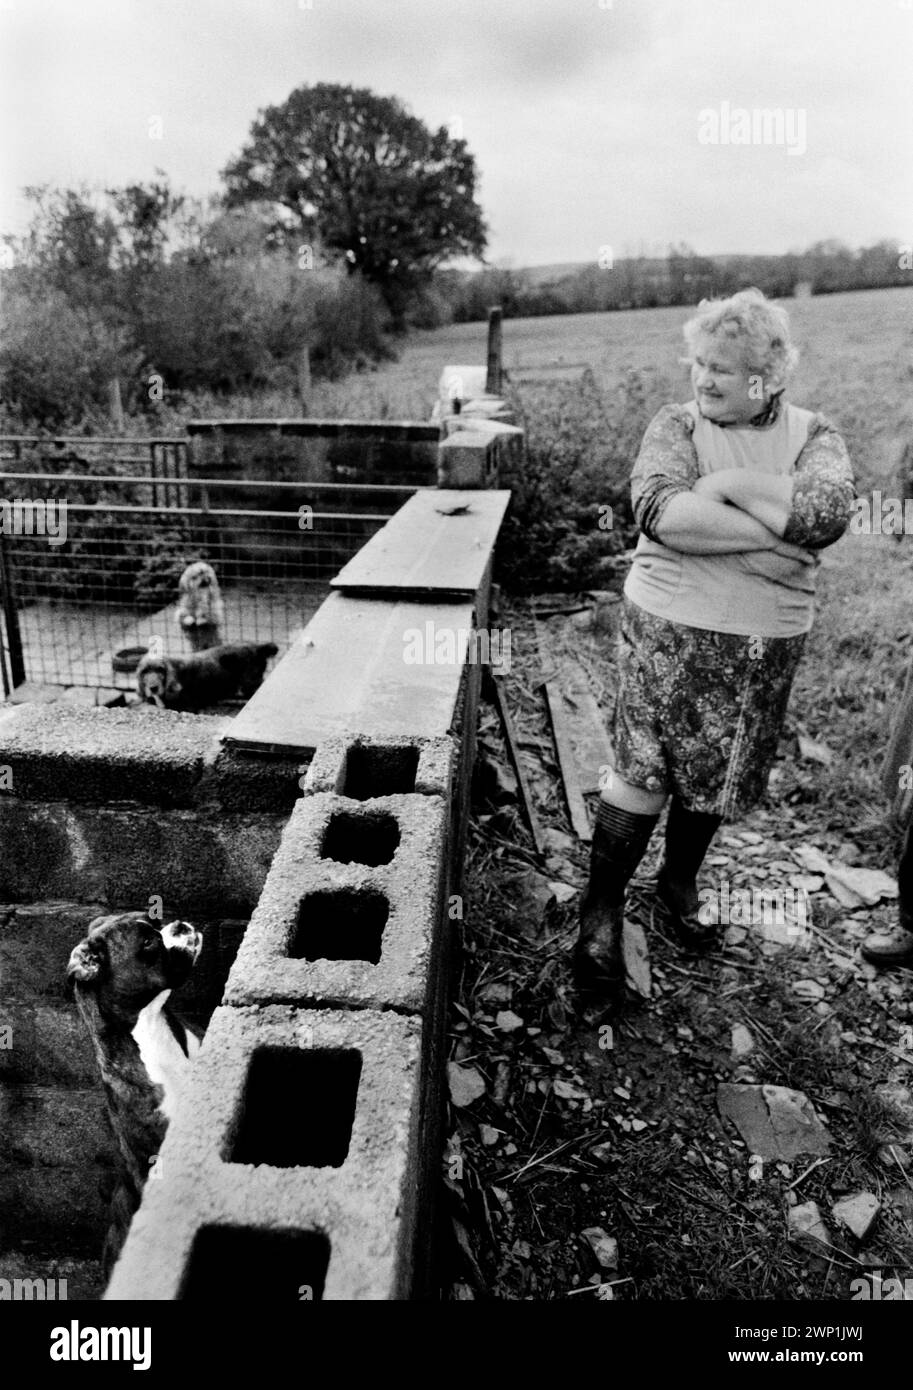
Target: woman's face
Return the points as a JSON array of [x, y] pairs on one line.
[[726, 391]]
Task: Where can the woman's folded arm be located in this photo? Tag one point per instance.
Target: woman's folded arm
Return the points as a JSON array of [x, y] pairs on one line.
[[768, 497], [696, 525], [666, 507], [823, 489], [809, 507]]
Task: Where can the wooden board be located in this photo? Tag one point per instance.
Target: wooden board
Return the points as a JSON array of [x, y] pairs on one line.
[[590, 742], [585, 723], [348, 673], [575, 803], [438, 544], [510, 738]]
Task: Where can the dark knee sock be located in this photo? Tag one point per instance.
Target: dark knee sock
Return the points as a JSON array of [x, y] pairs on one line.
[[688, 836], [905, 882], [620, 840]]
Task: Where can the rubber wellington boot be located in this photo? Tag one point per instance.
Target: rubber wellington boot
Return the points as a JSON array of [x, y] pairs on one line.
[[681, 913], [619, 841], [688, 836], [599, 967]]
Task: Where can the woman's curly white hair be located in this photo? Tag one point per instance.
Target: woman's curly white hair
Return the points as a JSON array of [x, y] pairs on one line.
[[759, 328]]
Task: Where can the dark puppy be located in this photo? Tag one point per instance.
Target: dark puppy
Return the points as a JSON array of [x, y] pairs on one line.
[[193, 682], [123, 973]]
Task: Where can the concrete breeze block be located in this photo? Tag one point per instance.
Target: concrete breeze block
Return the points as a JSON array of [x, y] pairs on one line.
[[323, 891], [348, 765], [467, 460], [245, 781], [124, 854], [364, 1209], [65, 752]]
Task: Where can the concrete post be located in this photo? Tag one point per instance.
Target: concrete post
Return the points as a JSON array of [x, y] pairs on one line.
[[493, 378]]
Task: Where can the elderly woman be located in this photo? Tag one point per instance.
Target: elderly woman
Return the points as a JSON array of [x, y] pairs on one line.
[[733, 492]]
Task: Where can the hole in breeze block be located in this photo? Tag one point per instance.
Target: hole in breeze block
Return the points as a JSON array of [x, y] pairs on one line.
[[265, 1266], [353, 838], [378, 771], [342, 924], [298, 1108]]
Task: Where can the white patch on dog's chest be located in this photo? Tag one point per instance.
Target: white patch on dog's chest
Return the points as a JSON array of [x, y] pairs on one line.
[[162, 1054]]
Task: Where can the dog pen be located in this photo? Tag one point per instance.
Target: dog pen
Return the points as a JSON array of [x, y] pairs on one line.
[[79, 611]]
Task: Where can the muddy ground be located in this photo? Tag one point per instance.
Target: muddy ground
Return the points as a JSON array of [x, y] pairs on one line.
[[590, 1160]]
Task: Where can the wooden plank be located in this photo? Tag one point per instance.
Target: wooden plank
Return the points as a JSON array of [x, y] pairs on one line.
[[590, 742], [438, 544], [349, 672], [586, 723], [513, 750], [575, 802]]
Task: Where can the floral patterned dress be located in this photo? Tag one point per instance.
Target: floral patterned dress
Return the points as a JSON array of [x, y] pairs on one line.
[[699, 712]]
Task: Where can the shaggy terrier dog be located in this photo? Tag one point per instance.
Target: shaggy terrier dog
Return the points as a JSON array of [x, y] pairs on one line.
[[201, 611]]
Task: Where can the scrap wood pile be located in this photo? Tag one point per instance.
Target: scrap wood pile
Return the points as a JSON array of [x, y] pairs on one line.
[[745, 1129]]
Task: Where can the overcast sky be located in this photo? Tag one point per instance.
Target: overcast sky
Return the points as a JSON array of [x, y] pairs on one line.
[[584, 115]]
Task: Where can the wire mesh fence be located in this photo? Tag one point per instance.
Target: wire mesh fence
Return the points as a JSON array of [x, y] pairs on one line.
[[90, 563]]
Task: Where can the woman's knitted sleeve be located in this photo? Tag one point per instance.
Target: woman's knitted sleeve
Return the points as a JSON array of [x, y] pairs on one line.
[[823, 489], [666, 465]]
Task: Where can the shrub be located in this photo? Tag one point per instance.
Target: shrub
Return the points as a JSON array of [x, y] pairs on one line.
[[228, 324], [582, 439], [56, 360], [349, 323]]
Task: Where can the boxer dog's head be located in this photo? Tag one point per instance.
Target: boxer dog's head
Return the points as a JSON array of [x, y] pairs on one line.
[[126, 960], [123, 972]]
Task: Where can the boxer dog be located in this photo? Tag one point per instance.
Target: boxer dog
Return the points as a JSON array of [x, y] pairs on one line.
[[201, 611], [193, 682], [122, 974]]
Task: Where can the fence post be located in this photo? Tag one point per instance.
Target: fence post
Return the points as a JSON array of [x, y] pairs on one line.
[[11, 622], [181, 472], [304, 379], [493, 379], [115, 406], [158, 469]]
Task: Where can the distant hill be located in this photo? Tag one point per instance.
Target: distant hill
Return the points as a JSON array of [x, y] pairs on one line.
[[681, 277], [548, 274]]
